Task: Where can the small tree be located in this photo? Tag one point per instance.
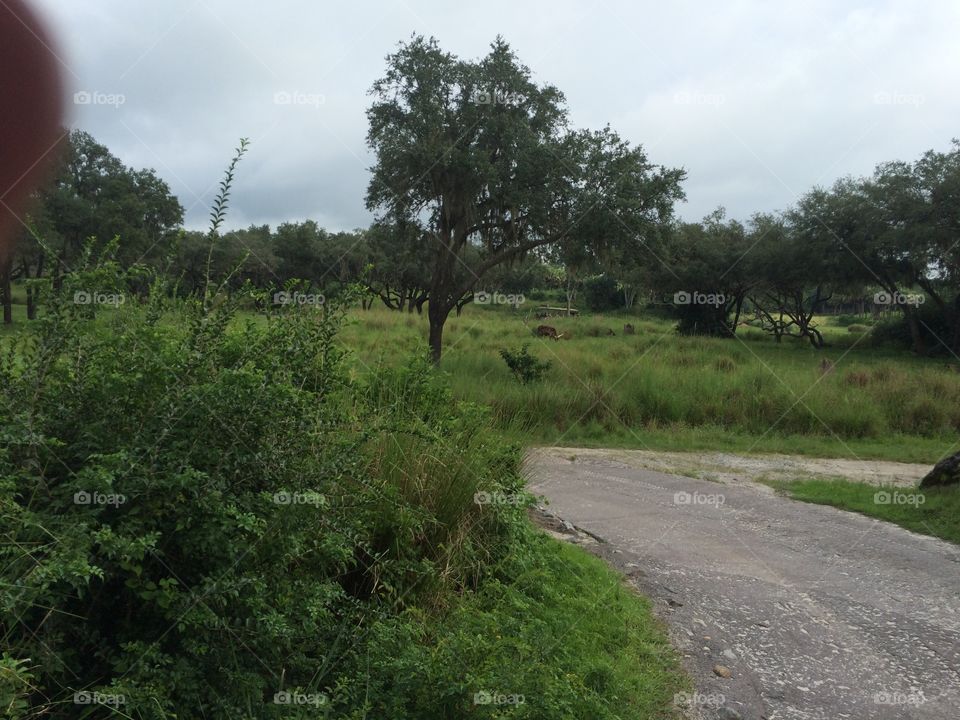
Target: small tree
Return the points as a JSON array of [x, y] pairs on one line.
[[526, 368]]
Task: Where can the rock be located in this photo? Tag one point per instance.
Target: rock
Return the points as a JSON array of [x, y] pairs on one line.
[[728, 713], [946, 472], [722, 671], [729, 654]]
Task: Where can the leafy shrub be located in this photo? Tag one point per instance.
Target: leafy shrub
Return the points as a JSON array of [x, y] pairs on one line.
[[702, 319], [601, 293], [199, 512], [526, 368], [933, 326], [848, 320]]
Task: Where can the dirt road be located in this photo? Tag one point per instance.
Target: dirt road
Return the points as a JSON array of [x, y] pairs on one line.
[[816, 614]]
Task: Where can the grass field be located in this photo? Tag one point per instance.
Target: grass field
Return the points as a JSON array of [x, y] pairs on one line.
[[657, 390]]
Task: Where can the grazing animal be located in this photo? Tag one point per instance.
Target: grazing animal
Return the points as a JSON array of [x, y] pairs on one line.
[[628, 329], [547, 331]]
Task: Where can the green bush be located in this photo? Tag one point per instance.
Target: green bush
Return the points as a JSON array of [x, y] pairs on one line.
[[848, 320], [601, 293], [199, 513], [526, 368], [934, 330]]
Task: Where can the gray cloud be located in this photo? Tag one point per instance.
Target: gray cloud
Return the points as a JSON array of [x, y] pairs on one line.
[[758, 101]]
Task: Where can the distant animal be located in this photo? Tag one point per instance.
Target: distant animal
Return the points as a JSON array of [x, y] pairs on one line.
[[628, 329], [547, 331], [826, 365]]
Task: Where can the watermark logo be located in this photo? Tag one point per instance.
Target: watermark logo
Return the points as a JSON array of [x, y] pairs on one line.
[[285, 297], [299, 498], [98, 498], [485, 697], [895, 98], [497, 97], [914, 698], [87, 97], [899, 298], [713, 701], [698, 498], [85, 697], [288, 697], [483, 297], [695, 98], [86, 297], [884, 497], [498, 498], [296, 97], [683, 297]]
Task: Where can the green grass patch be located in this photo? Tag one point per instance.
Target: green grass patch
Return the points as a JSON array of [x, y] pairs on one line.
[[929, 512], [560, 630], [657, 390]]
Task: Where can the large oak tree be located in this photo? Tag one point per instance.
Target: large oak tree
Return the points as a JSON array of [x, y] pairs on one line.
[[480, 158]]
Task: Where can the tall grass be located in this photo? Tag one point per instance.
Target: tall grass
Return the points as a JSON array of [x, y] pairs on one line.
[[633, 388]]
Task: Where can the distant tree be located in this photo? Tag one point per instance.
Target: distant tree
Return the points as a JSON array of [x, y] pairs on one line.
[[791, 279], [93, 194], [478, 155], [703, 274], [896, 230], [919, 205], [399, 277], [602, 293], [302, 251]]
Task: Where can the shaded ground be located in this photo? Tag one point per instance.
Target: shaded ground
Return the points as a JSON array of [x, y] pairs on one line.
[[814, 613]]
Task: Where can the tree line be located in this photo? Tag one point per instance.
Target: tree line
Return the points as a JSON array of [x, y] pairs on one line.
[[480, 183]]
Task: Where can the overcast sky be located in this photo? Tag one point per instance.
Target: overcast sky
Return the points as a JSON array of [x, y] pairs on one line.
[[759, 101]]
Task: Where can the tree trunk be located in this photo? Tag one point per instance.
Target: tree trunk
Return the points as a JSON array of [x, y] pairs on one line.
[[955, 324], [5, 290], [438, 316], [919, 347], [738, 310]]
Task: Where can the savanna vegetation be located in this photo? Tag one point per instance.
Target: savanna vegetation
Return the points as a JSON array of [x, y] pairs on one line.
[[858, 397], [242, 472], [207, 514]]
